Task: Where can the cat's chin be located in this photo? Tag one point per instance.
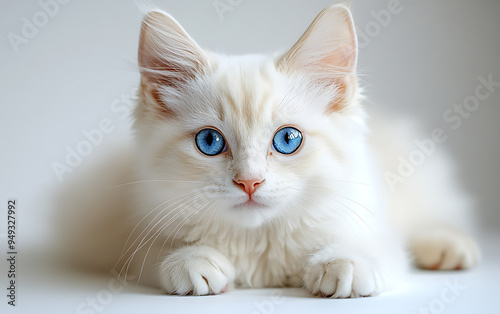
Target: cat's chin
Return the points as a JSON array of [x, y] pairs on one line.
[[249, 220], [250, 205], [251, 214]]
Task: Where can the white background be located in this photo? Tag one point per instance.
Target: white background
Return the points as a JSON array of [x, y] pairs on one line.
[[65, 79]]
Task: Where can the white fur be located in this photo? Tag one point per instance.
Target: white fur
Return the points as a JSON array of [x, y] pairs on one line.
[[322, 221]]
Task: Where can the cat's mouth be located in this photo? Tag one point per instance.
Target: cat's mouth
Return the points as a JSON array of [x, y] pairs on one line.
[[250, 204]]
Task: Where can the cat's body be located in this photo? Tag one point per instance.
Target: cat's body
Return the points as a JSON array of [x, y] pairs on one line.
[[255, 213]]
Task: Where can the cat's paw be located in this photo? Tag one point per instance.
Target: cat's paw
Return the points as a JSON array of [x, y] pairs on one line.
[[196, 270], [329, 274], [444, 249]]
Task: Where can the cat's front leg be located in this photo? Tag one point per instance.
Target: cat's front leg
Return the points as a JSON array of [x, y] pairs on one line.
[[341, 271], [196, 270]]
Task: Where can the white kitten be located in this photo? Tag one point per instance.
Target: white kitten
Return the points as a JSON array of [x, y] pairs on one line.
[[257, 171]]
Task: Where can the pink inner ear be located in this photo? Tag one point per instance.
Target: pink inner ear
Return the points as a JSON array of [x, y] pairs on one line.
[[327, 52], [342, 59], [153, 101], [327, 49], [345, 89], [167, 55]]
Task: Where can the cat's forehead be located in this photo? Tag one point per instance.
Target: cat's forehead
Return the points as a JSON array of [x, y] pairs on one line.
[[248, 99], [246, 94], [252, 93]]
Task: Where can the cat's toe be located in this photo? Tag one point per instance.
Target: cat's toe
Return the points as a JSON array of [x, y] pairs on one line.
[[341, 278], [196, 271], [444, 249]]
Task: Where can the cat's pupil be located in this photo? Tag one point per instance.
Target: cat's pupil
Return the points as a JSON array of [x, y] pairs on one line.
[[210, 139], [287, 137]]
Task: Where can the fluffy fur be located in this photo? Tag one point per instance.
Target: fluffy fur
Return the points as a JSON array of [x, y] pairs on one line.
[[319, 220]]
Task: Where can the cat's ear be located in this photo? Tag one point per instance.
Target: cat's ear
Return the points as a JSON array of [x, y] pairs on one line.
[[327, 51], [328, 47], [167, 54]]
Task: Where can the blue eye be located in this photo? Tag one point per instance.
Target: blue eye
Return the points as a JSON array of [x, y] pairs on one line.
[[210, 142], [287, 140]]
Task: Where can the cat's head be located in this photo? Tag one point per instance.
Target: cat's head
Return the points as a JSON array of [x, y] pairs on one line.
[[248, 139]]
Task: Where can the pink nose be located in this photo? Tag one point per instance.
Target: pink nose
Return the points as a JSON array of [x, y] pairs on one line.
[[249, 186]]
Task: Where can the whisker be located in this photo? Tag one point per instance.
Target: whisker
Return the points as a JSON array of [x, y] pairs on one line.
[[350, 199], [182, 198], [334, 210], [183, 223], [137, 225], [142, 243], [158, 233], [148, 181], [352, 211], [166, 239], [339, 202], [211, 224], [340, 181]]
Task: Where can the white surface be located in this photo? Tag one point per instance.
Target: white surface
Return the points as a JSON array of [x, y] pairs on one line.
[[66, 78], [44, 289]]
